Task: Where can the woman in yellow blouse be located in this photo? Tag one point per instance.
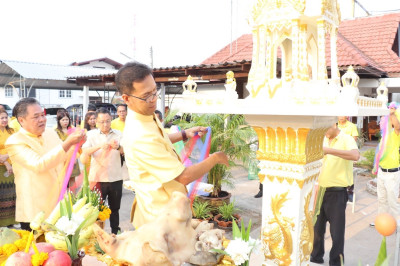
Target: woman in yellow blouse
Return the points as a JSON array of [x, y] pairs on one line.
[[7, 186], [63, 125]]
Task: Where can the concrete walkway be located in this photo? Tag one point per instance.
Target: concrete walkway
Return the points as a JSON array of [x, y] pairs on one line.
[[362, 241]]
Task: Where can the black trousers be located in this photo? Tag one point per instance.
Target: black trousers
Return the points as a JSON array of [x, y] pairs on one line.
[[25, 226], [333, 210], [112, 192]]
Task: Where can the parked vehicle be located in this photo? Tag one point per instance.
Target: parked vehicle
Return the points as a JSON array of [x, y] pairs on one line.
[[51, 115], [8, 109]]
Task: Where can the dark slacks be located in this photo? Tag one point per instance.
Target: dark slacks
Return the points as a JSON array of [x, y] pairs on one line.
[[112, 192], [333, 210]]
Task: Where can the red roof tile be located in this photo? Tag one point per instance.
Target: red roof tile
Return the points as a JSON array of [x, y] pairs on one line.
[[365, 42]]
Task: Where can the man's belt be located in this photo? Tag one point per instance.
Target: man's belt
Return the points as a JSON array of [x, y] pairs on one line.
[[391, 170], [336, 188]]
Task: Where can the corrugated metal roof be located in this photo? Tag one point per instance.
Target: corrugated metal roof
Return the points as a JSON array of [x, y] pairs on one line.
[[53, 72], [173, 68]]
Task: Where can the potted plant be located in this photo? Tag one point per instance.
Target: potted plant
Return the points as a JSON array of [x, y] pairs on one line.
[[231, 135], [202, 210], [227, 213]]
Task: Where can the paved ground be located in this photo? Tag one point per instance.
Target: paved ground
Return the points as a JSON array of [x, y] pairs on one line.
[[362, 241]]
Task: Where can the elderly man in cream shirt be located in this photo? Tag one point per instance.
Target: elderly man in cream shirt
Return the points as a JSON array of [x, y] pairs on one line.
[[153, 164], [38, 156]]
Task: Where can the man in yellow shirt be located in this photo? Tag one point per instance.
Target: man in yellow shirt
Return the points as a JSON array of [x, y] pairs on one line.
[[119, 122], [388, 180], [350, 129], [153, 164], [347, 127], [38, 156], [336, 175]]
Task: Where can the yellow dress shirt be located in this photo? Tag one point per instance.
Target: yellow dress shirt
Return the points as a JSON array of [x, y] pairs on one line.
[[4, 135], [335, 171], [14, 124], [349, 129], [37, 164], [118, 124], [391, 159], [153, 166]]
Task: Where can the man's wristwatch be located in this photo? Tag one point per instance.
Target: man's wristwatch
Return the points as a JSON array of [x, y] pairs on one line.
[[184, 137]]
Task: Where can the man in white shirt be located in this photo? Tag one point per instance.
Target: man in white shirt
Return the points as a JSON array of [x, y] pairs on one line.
[[105, 167]]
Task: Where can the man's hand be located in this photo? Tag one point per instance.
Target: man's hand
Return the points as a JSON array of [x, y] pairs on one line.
[[191, 132], [74, 138], [114, 144], [8, 167], [3, 158], [221, 158]]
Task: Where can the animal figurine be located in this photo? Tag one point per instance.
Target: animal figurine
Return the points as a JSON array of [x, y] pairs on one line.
[[168, 240]]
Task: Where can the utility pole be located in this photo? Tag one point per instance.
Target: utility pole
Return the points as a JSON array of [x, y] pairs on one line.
[[151, 56], [230, 46]]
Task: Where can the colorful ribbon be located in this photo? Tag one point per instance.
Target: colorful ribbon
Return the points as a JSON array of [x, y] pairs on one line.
[[71, 163], [204, 153], [381, 151]]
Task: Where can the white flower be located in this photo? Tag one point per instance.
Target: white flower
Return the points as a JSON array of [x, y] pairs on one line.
[[255, 244], [239, 251], [69, 226]]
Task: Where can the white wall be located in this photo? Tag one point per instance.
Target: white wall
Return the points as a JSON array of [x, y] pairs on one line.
[[10, 101], [51, 98]]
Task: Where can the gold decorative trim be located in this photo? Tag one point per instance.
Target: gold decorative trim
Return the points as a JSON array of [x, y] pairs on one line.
[[277, 234], [289, 180], [307, 231], [299, 146]]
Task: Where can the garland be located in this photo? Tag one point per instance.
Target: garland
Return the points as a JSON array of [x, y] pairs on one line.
[[23, 244]]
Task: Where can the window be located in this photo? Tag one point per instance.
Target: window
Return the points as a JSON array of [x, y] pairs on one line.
[[9, 92], [65, 94]]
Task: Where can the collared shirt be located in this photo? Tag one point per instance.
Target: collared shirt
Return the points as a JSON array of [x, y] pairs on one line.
[[349, 128], [37, 164], [105, 166], [391, 155], [335, 171], [14, 124], [118, 124], [153, 165], [4, 135]]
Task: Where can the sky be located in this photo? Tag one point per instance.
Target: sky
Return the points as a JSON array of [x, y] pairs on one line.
[[180, 32]]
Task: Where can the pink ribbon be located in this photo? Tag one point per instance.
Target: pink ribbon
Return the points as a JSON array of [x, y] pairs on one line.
[[70, 165]]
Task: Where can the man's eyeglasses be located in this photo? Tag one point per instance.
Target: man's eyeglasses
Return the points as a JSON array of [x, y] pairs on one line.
[[104, 122], [148, 99]]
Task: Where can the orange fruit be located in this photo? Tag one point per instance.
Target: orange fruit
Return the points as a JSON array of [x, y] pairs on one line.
[[385, 224]]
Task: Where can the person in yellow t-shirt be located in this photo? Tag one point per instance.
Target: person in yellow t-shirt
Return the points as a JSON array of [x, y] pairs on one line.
[[347, 127], [388, 180], [154, 166], [13, 122], [350, 129], [336, 175], [119, 122]]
